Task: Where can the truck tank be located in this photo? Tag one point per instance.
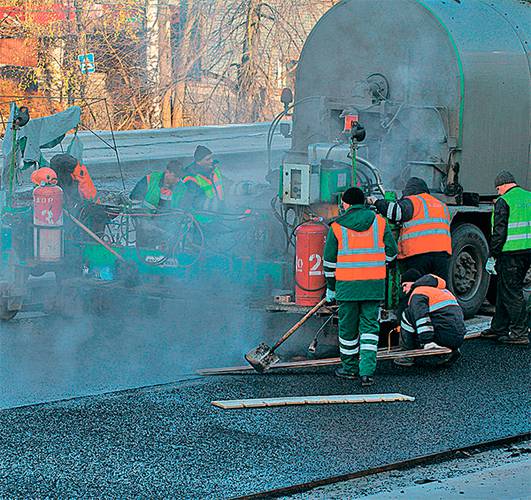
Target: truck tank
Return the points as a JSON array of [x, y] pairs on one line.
[[442, 87]]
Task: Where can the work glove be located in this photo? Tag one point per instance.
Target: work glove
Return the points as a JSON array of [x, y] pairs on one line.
[[330, 295], [490, 266]]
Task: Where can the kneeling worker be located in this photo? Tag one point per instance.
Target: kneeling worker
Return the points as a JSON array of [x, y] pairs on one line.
[[357, 248], [432, 315]]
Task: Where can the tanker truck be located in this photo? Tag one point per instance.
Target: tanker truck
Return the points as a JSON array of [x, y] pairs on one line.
[[442, 89]]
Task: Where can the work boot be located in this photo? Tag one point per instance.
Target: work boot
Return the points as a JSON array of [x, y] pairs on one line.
[[489, 334], [448, 359], [367, 381], [404, 361], [512, 339], [342, 373]]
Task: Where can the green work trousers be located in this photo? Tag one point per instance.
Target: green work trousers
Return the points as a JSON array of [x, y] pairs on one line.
[[358, 335]]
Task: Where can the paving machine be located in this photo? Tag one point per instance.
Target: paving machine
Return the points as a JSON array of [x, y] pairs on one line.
[[61, 258]]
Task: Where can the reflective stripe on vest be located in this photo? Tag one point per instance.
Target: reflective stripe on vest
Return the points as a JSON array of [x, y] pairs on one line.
[[437, 297], [360, 254], [211, 187], [519, 226], [428, 230]]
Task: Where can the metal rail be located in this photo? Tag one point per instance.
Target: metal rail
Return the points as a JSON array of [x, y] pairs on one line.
[[405, 464], [146, 149]]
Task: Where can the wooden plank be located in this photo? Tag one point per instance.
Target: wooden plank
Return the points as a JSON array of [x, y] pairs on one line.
[[232, 404], [383, 354]]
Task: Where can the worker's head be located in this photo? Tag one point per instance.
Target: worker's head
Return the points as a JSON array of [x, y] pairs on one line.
[[64, 165], [203, 156], [415, 185], [408, 279], [352, 196], [504, 181], [173, 172]]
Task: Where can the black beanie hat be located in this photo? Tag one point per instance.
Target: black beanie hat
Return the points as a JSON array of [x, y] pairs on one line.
[[411, 275], [201, 152], [64, 162], [353, 196], [504, 177]]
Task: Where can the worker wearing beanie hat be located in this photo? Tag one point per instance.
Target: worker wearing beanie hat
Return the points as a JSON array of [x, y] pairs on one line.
[[204, 182], [357, 248], [424, 241], [510, 259], [432, 317]]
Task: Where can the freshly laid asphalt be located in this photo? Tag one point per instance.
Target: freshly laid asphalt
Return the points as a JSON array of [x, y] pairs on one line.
[[169, 441]]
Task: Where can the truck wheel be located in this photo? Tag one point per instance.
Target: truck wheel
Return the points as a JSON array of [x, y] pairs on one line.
[[467, 277]]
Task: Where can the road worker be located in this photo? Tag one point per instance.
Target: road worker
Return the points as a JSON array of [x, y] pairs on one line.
[[161, 190], [80, 194], [432, 318], [357, 248], [204, 181], [424, 241], [510, 259], [74, 179]]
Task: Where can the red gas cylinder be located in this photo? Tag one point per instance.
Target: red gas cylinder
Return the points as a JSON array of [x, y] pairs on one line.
[[309, 274], [48, 223]]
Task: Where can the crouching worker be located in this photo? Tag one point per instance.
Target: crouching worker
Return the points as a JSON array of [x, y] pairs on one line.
[[357, 248], [432, 318]]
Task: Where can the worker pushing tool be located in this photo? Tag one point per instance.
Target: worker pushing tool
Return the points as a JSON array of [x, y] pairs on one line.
[[424, 242], [357, 248], [432, 318], [510, 259]]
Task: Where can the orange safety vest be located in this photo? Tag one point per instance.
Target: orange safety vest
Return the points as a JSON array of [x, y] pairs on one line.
[[85, 186], [437, 297], [360, 255], [428, 230]]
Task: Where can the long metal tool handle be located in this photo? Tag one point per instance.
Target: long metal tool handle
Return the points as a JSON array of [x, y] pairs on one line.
[[297, 325], [94, 236]]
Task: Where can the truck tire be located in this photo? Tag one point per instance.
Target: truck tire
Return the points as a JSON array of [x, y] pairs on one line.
[[467, 277]]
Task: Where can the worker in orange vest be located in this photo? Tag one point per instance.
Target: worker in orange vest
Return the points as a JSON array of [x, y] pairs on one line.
[[80, 194], [433, 318], [358, 246], [424, 243], [74, 179]]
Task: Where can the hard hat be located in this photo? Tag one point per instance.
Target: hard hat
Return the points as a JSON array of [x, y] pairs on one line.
[[43, 176]]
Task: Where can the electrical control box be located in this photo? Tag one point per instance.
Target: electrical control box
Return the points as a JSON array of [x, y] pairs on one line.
[[300, 184]]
